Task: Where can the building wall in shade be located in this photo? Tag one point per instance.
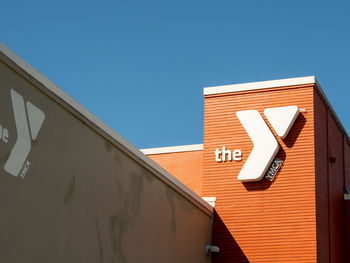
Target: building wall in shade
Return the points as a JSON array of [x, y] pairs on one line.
[[333, 169], [336, 190], [347, 162], [347, 202], [331, 178], [347, 231], [321, 179]]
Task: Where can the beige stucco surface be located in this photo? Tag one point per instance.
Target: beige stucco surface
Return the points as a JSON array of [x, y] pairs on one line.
[[85, 200]]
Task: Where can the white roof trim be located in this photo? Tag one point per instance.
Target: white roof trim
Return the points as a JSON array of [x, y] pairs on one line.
[[210, 200], [173, 149], [71, 105], [259, 85]]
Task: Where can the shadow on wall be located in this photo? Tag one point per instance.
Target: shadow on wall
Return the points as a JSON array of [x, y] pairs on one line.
[[229, 249], [293, 135], [347, 230]]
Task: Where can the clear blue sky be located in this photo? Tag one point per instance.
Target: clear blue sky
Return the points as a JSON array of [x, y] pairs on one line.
[[141, 66]]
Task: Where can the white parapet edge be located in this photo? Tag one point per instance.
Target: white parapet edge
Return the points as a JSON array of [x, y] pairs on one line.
[[346, 196], [211, 200], [62, 98], [259, 85], [173, 149]]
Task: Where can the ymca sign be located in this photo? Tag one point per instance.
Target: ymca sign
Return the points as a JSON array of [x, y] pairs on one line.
[[261, 160]]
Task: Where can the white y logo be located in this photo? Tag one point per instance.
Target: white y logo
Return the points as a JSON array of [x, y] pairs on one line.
[[265, 144], [23, 144]]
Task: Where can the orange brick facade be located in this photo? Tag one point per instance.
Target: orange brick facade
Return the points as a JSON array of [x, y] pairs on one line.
[[298, 217], [270, 222], [185, 166]]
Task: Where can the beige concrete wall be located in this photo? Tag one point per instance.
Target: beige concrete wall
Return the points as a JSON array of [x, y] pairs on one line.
[[83, 199]]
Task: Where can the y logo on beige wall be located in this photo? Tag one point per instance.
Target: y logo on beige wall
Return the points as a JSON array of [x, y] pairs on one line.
[[265, 145], [28, 120]]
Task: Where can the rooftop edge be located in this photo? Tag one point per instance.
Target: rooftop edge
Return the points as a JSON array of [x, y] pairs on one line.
[[173, 149], [259, 85]]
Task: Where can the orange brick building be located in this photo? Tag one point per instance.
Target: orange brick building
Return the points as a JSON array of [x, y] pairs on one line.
[[296, 211]]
